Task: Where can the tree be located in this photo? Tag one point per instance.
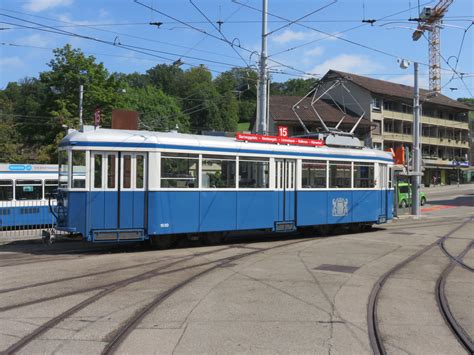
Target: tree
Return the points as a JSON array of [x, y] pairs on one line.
[[293, 87], [167, 78], [158, 111]]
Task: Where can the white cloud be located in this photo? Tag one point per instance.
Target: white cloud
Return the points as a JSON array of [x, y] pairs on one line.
[[315, 52], [11, 62], [295, 36], [35, 40], [41, 5], [352, 63], [67, 18]]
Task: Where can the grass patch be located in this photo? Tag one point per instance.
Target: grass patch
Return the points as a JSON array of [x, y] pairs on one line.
[[243, 126]]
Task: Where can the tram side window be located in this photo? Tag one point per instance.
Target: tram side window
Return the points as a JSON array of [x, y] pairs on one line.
[[339, 174], [78, 169], [28, 190], [254, 173], [6, 190], [127, 171], [98, 171], [49, 187], [140, 171], [63, 169], [364, 175], [313, 174], [218, 172], [179, 170], [111, 171]]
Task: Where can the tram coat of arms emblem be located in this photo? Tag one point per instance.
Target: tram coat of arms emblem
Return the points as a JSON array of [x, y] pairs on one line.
[[339, 206]]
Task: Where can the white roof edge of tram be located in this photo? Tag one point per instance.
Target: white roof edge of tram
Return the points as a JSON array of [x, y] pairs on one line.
[[181, 139]]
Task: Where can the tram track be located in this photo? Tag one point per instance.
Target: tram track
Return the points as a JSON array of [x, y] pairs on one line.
[[124, 282], [443, 303], [128, 326], [375, 337], [98, 273]]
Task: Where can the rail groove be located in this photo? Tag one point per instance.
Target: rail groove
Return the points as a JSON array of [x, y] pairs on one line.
[[375, 337], [128, 326], [443, 303]]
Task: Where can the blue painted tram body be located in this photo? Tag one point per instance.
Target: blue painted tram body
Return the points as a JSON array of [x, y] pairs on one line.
[[24, 193], [140, 185]]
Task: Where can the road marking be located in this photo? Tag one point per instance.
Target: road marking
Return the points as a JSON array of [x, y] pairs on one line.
[[437, 208]]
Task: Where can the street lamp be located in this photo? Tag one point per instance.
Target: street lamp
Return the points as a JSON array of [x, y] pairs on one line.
[[416, 170]]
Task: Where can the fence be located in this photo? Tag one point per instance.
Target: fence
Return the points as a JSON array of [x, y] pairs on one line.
[[25, 219]]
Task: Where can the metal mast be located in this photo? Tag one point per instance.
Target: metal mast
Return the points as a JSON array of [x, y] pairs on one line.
[[416, 174], [262, 83], [430, 19]]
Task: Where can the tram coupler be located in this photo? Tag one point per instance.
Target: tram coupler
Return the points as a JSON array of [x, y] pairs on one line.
[[47, 237]]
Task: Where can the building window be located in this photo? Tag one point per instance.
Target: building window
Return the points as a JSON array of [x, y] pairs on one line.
[[407, 108], [376, 103], [377, 127], [406, 128], [388, 105], [388, 126], [218, 172], [313, 174]]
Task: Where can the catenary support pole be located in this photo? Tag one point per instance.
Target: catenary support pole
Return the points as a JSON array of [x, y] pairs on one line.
[[81, 97], [416, 178], [262, 88]]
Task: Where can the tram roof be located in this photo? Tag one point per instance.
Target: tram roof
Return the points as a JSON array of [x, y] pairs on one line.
[[113, 138]]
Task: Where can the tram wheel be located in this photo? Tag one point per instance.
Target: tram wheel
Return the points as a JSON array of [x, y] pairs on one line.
[[212, 238], [325, 230], [355, 228], [162, 242]]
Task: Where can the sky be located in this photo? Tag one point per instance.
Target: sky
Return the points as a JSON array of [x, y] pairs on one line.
[[330, 34]]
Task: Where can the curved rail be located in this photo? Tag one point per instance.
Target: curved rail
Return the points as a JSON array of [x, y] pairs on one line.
[[122, 332], [453, 258], [443, 304], [375, 337]]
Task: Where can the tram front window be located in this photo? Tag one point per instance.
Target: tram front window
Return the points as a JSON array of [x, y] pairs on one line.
[[63, 169], [78, 169]]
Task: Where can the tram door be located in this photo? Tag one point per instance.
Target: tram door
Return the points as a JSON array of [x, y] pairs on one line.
[[285, 183], [383, 168], [132, 191]]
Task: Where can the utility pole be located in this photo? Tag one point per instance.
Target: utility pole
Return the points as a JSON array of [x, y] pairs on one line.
[[81, 97], [262, 83], [416, 174]]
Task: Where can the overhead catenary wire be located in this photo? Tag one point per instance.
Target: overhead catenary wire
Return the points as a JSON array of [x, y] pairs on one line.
[[218, 29], [72, 25], [380, 51], [119, 44], [219, 38], [455, 72], [338, 33]]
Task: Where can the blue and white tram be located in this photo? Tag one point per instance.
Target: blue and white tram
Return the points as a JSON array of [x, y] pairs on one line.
[[151, 185], [24, 193]]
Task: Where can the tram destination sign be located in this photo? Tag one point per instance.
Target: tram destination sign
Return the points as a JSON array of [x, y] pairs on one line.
[[260, 138]]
